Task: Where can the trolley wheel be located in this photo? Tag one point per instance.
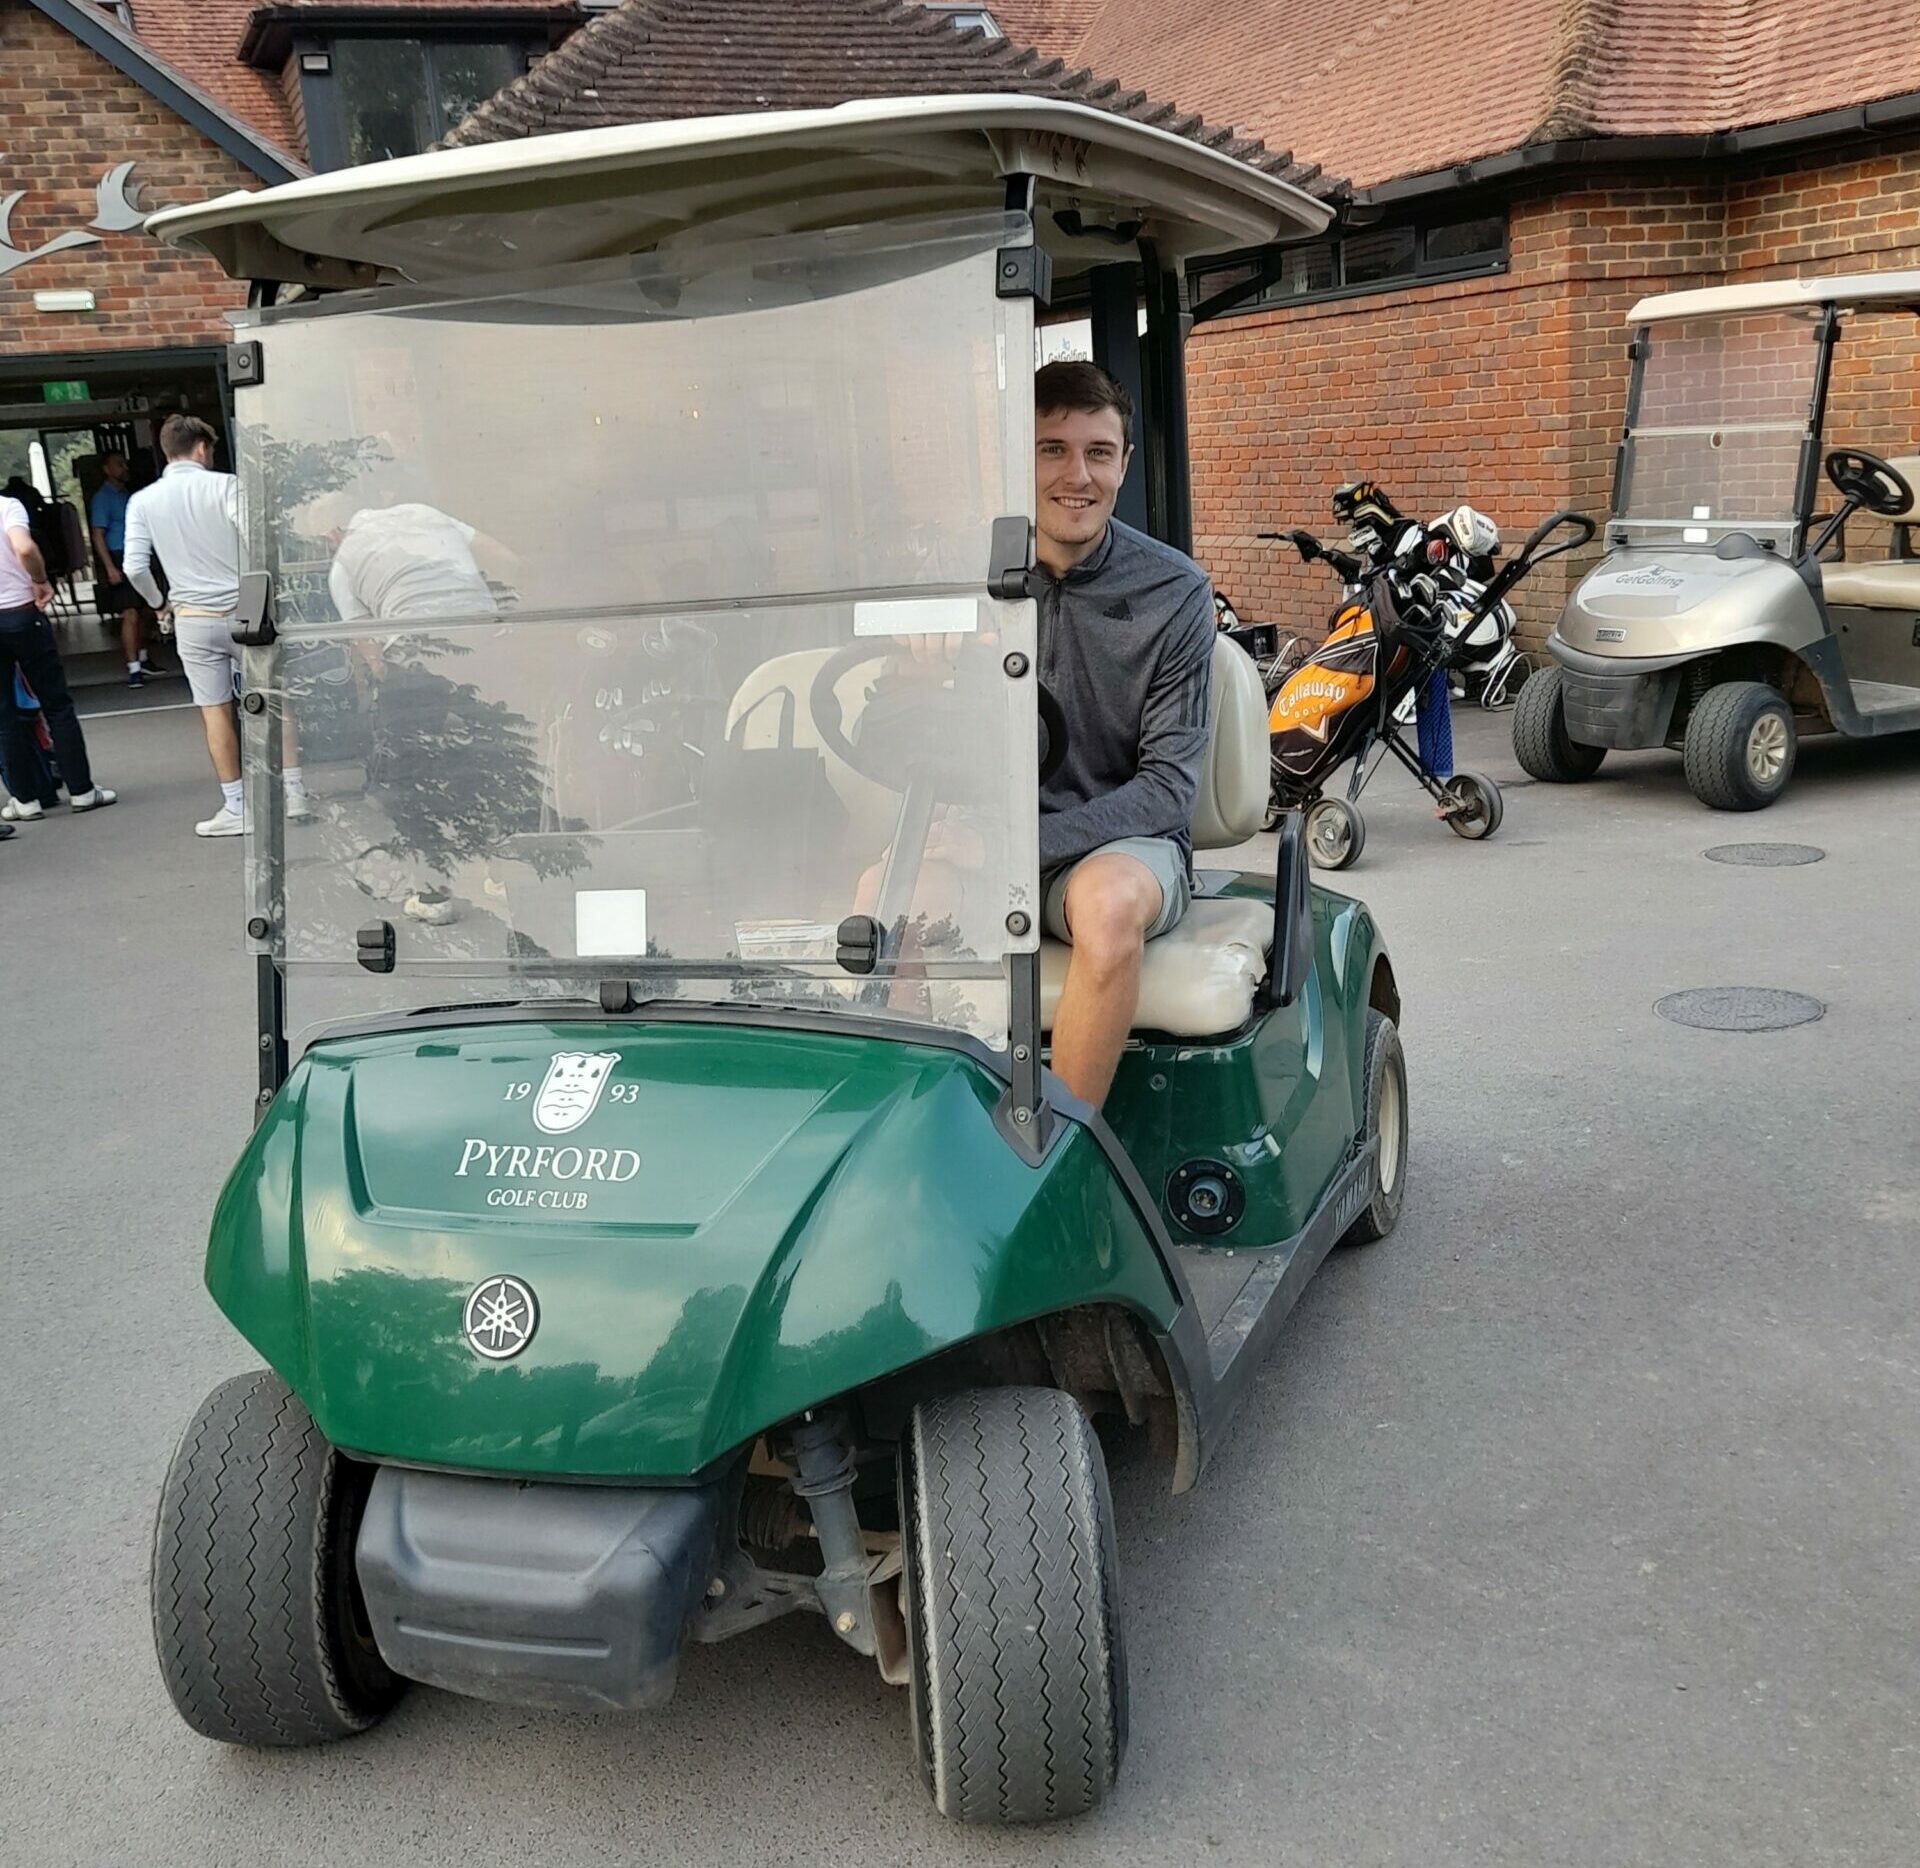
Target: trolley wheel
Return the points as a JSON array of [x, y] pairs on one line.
[[1336, 834], [1541, 742], [1480, 806]]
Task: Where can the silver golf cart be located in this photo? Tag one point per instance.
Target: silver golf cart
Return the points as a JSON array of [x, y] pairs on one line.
[[1730, 615]]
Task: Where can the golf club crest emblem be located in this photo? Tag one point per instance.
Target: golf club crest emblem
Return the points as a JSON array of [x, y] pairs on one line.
[[500, 1318], [571, 1089]]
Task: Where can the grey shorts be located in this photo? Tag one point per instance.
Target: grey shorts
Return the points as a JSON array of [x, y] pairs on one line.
[[1159, 855], [209, 657]]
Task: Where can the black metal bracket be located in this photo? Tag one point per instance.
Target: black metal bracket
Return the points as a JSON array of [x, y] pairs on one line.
[[1010, 566], [857, 948], [253, 619], [376, 945], [246, 364], [1024, 272], [1292, 955], [270, 992]]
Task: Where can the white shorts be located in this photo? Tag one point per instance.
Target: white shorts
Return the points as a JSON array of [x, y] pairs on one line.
[[210, 658]]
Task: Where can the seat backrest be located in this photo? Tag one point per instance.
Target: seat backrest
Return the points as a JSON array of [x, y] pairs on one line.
[[1236, 778]]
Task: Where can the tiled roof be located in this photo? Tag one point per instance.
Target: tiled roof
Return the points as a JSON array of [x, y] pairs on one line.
[[655, 59], [1375, 89], [243, 137], [201, 38]]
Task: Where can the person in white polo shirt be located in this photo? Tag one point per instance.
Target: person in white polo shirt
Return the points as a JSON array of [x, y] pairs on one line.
[[190, 519], [26, 644]]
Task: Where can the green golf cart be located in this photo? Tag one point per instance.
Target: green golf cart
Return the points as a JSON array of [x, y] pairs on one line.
[[660, 1217]]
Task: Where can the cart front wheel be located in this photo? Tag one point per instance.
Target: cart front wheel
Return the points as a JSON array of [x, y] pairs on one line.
[[1541, 743], [257, 1618], [1386, 1078], [1018, 1678], [1336, 834], [1474, 805], [1740, 746]]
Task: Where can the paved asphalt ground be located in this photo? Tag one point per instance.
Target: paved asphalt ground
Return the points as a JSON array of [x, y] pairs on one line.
[[1578, 1523]]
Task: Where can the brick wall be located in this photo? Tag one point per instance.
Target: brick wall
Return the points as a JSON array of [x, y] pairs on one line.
[[66, 117], [1509, 391]]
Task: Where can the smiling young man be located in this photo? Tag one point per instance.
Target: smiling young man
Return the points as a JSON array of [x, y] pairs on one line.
[[1126, 647]]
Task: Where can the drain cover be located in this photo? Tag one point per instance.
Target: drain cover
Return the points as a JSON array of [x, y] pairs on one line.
[[1766, 855], [1739, 1008]]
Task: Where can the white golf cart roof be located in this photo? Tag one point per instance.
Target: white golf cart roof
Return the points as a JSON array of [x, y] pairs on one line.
[[543, 201], [1889, 290]]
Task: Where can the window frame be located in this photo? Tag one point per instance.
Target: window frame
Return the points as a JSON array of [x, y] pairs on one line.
[[321, 98], [1424, 271]]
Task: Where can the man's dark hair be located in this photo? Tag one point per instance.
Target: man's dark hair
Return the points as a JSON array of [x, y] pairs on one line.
[[1085, 388], [181, 434]]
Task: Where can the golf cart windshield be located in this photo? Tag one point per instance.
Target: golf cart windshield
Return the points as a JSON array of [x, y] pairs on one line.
[[634, 624], [1716, 432]]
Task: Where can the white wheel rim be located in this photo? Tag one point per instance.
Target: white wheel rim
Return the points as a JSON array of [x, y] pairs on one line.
[[1331, 833], [1389, 1130], [1767, 749]]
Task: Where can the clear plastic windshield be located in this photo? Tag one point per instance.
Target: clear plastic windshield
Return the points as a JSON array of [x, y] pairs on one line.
[[636, 626], [1725, 406]]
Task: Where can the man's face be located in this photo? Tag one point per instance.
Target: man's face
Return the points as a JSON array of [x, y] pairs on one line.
[[115, 468], [1079, 460]]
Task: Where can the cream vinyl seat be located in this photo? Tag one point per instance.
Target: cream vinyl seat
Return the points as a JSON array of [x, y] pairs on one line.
[[1199, 978], [1892, 584]]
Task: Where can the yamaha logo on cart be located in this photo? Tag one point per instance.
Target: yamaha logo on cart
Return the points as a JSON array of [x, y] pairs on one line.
[[501, 1317]]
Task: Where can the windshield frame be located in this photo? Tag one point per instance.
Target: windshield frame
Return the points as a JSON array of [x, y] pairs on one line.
[[1788, 533], [561, 979]]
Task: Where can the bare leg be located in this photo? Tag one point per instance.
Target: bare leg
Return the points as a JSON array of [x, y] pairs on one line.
[[1111, 902], [130, 634], [223, 742]]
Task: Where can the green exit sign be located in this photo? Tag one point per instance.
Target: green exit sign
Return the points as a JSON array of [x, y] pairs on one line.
[[64, 392]]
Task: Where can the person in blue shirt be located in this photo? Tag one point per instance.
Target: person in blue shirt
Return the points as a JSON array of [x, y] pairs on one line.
[[108, 517]]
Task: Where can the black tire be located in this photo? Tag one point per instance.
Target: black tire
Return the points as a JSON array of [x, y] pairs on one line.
[[1385, 1066], [1540, 739], [1336, 833], [1725, 735], [1019, 1677], [1485, 806], [257, 1618]]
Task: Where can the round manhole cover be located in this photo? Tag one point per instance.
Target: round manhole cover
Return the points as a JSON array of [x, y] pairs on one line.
[[1739, 1008], [1766, 855]]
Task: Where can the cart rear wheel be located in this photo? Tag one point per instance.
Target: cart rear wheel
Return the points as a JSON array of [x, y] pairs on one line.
[[257, 1618], [1336, 834], [1019, 1680], [1386, 1077], [1540, 739], [1480, 802], [1740, 746]]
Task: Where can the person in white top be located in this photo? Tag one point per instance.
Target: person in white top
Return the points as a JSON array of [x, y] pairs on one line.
[[27, 645], [190, 517]]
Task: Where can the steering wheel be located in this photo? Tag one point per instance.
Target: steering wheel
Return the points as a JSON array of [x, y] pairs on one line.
[[823, 701], [1868, 481]]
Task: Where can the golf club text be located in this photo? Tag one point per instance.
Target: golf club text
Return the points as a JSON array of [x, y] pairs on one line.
[[520, 1161]]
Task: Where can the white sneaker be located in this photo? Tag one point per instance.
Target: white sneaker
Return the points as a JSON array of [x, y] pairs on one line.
[[96, 799], [225, 822], [22, 810], [299, 807]]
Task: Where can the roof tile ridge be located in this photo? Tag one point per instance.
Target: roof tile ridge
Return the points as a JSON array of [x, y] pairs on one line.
[[1582, 33], [611, 29]]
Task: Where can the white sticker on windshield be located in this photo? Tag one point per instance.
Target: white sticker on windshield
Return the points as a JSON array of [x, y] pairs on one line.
[[610, 923], [917, 616], [1694, 535]]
